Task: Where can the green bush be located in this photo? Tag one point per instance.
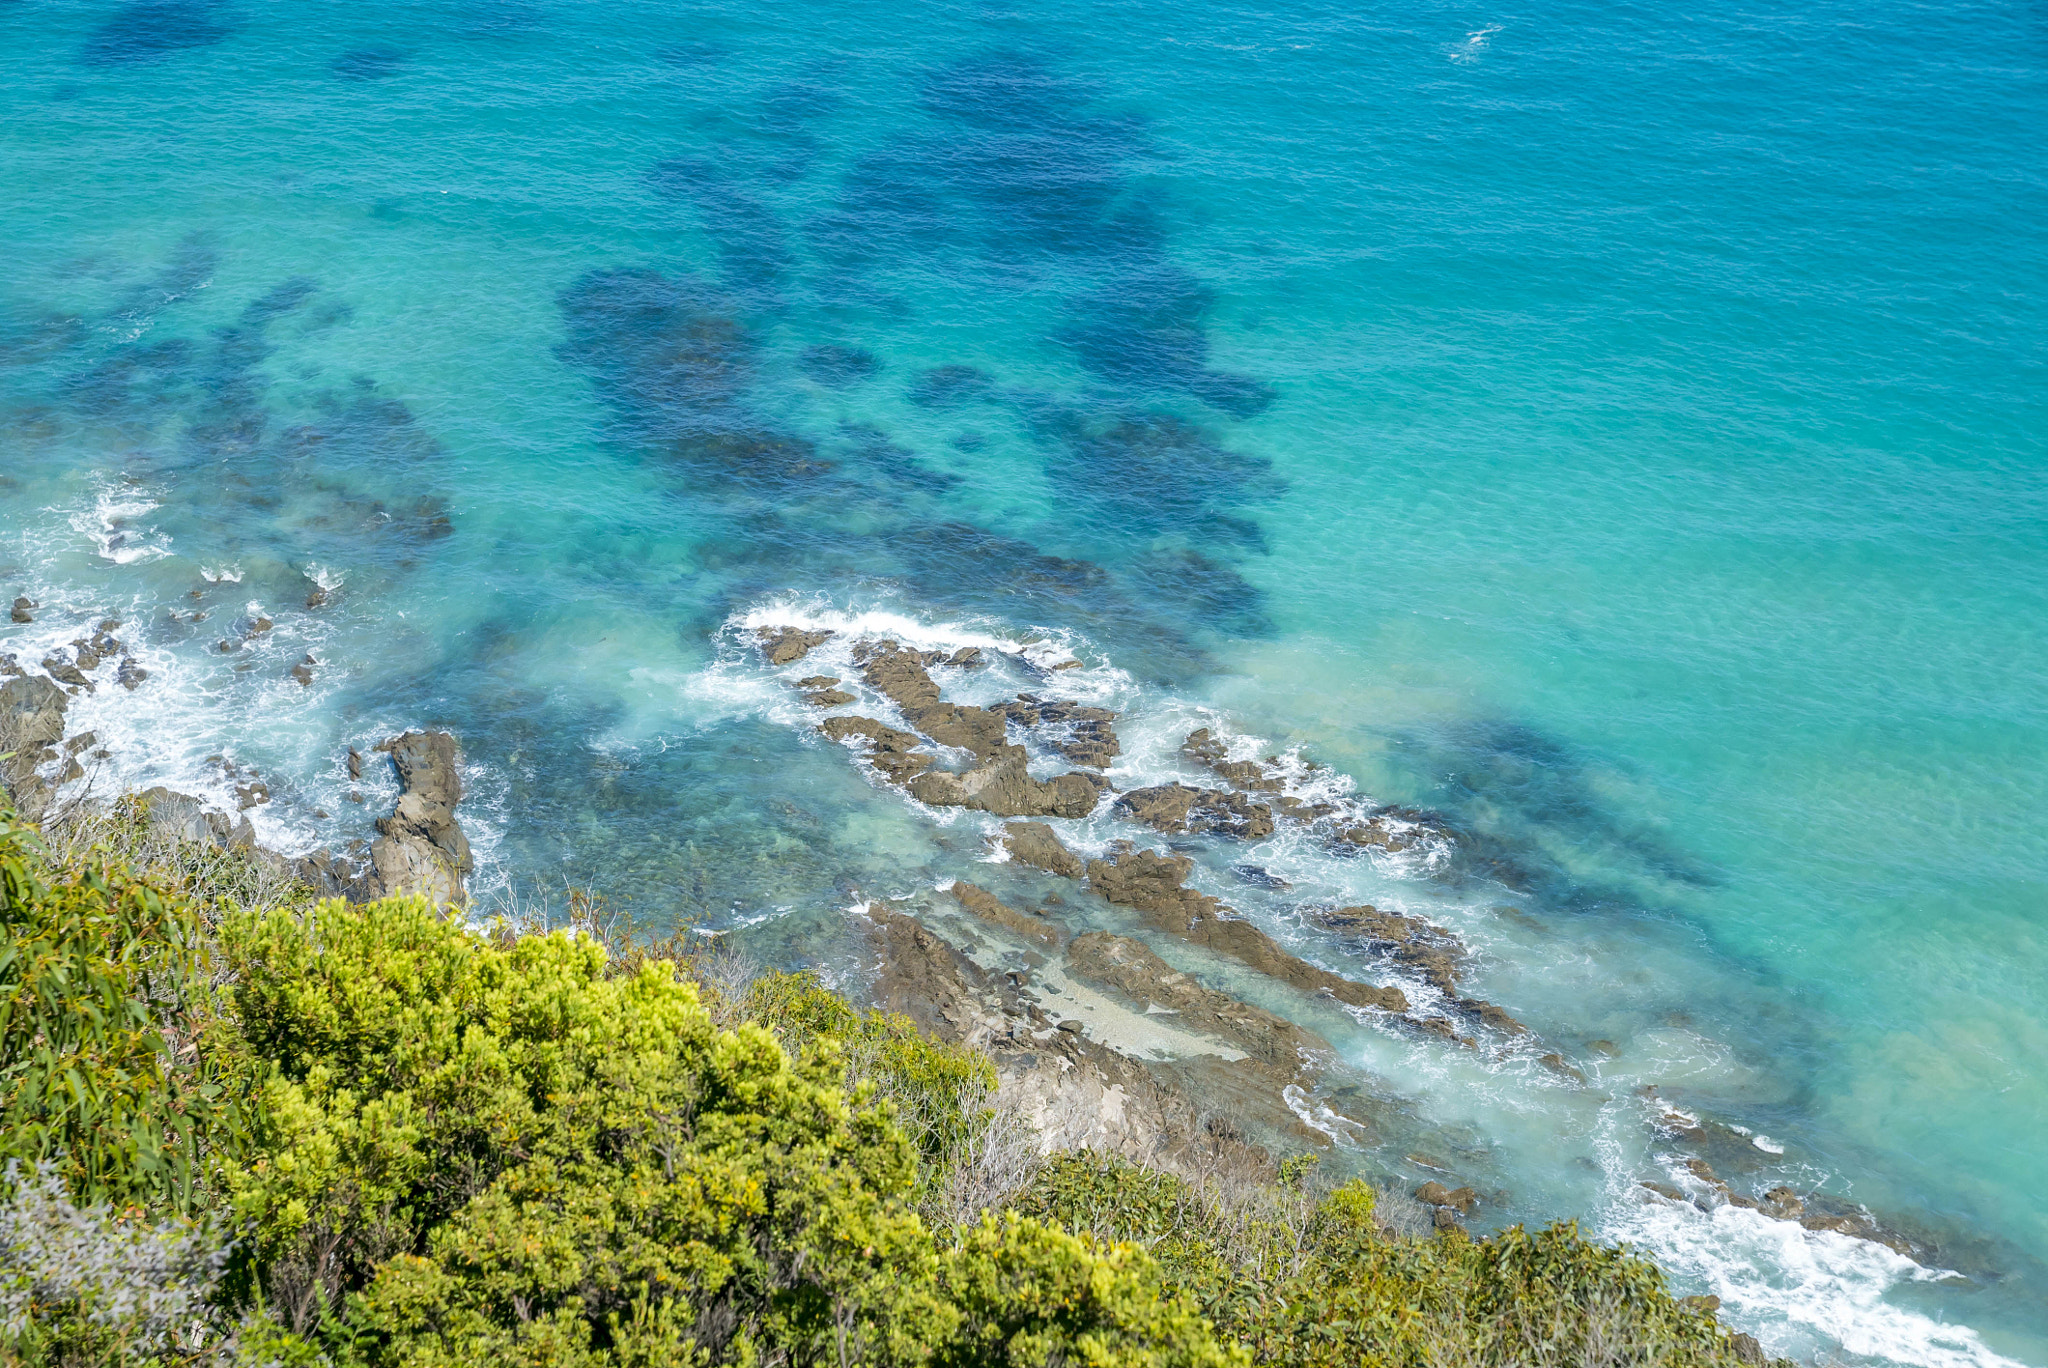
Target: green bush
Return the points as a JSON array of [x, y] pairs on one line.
[[104, 995]]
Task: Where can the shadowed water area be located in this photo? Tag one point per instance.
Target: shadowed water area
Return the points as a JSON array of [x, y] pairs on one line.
[[1614, 439]]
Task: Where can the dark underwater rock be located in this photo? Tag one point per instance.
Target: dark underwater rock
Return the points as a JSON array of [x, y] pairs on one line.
[[990, 908], [891, 751], [838, 366], [1035, 844], [1155, 885], [1178, 807]]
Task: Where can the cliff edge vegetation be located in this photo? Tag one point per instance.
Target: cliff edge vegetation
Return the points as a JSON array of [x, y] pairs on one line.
[[299, 1131]]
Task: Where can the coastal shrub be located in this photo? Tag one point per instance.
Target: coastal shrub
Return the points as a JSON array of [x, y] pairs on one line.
[[104, 996], [471, 1151], [1321, 1283], [940, 1093]]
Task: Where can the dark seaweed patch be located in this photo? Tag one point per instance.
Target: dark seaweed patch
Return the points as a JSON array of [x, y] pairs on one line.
[[946, 386], [367, 64], [1146, 329], [838, 366], [148, 29], [1154, 474], [753, 253]]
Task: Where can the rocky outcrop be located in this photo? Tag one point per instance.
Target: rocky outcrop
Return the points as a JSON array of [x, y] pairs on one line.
[[1430, 952], [182, 817], [787, 645], [421, 848], [1388, 829], [985, 905], [1035, 844], [1080, 734], [1130, 969], [24, 609], [899, 674], [823, 691], [1177, 808], [31, 723], [1154, 884], [890, 750], [1002, 785], [1072, 1091]]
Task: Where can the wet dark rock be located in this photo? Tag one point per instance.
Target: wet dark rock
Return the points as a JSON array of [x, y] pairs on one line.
[[64, 672], [838, 366], [1664, 1190], [1002, 785], [252, 794], [83, 653], [1783, 1203], [303, 671], [319, 596], [990, 908], [1206, 748], [819, 691], [1560, 1066], [355, 763], [1444, 1218], [24, 609], [1130, 969], [421, 847], [1259, 878], [891, 751], [901, 676], [131, 675], [10, 664], [1435, 1194], [967, 658], [788, 645], [182, 817], [1489, 1015], [1035, 844], [1430, 951], [1178, 808], [1155, 885]]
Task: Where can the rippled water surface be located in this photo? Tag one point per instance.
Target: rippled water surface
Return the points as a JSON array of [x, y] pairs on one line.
[[1619, 430]]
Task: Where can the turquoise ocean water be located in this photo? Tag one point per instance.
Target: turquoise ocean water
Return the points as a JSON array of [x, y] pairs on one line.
[[1619, 429]]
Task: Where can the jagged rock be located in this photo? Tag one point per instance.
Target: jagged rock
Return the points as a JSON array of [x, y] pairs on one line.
[[24, 609], [10, 665], [355, 763], [818, 691], [967, 658], [1435, 1194], [1205, 748], [1664, 1190], [1489, 1015], [252, 794], [1154, 885], [64, 672], [1260, 878], [1073, 1091], [319, 596], [790, 644], [1178, 807], [185, 818], [1004, 786], [990, 908], [1747, 1348], [328, 875], [890, 750], [80, 742], [1410, 942], [31, 713], [303, 671], [131, 675], [1037, 845], [87, 658], [899, 674], [1131, 969], [1783, 1203], [421, 847]]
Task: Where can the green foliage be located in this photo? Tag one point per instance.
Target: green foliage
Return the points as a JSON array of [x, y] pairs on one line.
[[103, 991], [466, 1148], [939, 1092], [1319, 1284]]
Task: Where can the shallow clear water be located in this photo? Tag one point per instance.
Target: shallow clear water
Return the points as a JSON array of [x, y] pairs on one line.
[[1620, 430]]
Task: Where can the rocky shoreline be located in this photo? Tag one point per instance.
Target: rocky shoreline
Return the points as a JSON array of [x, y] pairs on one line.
[[1097, 1039]]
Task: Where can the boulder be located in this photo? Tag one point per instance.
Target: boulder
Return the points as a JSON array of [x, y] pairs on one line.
[[899, 674], [787, 645], [1002, 785], [31, 713], [890, 750], [130, 675], [992, 909], [421, 848], [1154, 884], [1178, 807], [1206, 749], [1435, 1194], [1037, 845], [1430, 951], [24, 609]]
